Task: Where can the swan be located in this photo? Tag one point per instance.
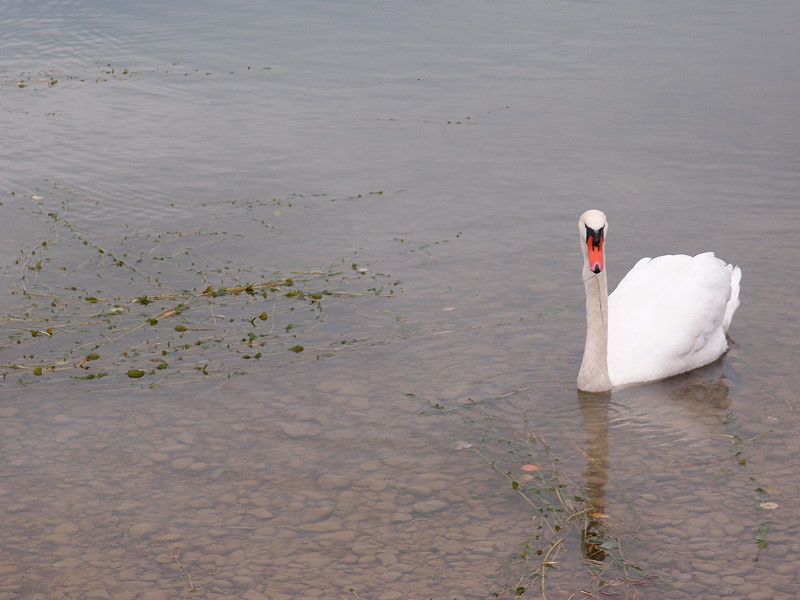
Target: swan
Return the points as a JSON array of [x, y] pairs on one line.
[[667, 316]]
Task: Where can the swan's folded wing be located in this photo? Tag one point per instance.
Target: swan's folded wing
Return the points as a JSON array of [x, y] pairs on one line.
[[666, 317], [733, 303]]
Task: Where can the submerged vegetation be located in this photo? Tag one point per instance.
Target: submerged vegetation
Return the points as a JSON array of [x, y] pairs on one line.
[[568, 523], [763, 498], [152, 305]]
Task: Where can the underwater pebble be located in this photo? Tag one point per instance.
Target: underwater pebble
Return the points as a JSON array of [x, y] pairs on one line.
[[419, 490], [719, 518], [158, 457], [400, 517], [330, 481], [477, 531], [66, 529], [8, 569], [707, 567], [785, 568], [317, 560], [67, 433], [296, 429], [140, 530], [358, 403], [182, 462], [243, 581], [451, 547], [340, 537], [316, 513], [187, 437], [429, 506], [367, 549], [390, 576], [376, 485], [259, 501], [260, 513], [331, 385], [734, 529], [155, 595], [172, 448], [59, 539], [484, 547], [761, 594], [322, 526], [434, 481]]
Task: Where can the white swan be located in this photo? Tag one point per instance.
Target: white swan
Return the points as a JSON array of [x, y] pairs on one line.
[[667, 316]]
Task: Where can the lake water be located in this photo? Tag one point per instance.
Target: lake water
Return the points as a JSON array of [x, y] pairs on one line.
[[400, 420]]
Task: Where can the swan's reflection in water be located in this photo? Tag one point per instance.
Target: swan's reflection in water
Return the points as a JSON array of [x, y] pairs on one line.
[[594, 408], [687, 407]]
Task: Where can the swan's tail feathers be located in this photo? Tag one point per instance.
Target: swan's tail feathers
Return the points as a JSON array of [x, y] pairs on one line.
[[733, 303]]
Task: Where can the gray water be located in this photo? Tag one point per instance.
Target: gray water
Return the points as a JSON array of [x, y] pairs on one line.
[[427, 162]]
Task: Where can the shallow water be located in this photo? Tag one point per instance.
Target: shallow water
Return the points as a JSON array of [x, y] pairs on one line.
[[427, 163]]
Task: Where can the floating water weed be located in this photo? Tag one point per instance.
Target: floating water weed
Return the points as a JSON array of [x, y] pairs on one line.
[[764, 505], [109, 305]]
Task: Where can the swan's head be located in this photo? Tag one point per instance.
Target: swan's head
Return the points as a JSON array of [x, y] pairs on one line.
[[593, 228]]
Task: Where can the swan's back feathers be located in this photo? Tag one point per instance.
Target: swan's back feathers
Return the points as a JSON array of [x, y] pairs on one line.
[[669, 315]]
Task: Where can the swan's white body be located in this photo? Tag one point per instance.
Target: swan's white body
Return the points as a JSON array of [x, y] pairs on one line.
[[667, 316]]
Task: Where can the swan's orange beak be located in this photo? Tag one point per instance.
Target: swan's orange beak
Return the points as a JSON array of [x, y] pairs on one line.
[[595, 247]]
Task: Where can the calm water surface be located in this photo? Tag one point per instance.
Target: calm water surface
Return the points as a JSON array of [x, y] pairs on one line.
[[427, 162]]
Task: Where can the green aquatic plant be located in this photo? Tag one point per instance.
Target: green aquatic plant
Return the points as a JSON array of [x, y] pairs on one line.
[[764, 506], [83, 307]]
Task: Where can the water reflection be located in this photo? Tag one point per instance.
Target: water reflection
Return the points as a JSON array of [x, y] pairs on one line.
[[684, 403], [594, 408]]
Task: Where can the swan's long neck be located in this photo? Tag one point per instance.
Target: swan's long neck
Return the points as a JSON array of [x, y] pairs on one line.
[[593, 375]]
